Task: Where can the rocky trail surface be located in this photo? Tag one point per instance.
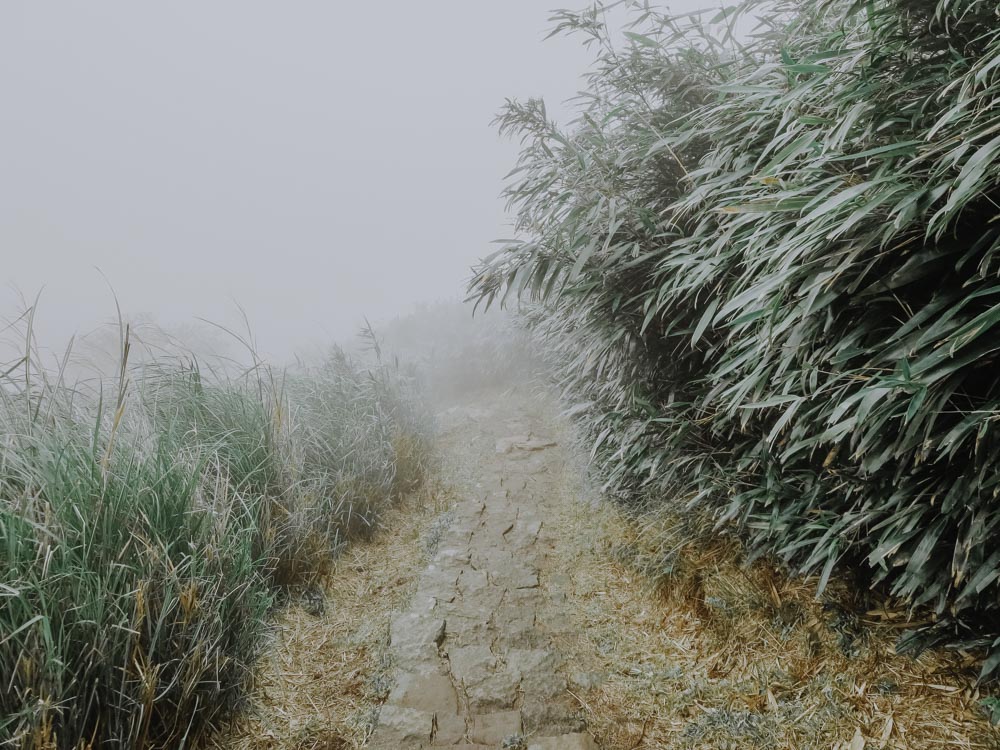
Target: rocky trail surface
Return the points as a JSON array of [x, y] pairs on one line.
[[476, 654]]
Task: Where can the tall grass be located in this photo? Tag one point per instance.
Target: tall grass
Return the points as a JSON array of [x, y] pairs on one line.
[[767, 267], [146, 526]]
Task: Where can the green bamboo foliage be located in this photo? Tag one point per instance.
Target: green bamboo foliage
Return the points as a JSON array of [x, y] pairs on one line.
[[768, 267]]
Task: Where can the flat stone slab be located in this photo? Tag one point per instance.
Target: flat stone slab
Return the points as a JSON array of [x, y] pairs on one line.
[[472, 663], [425, 692], [465, 631], [415, 629], [493, 729], [495, 693], [472, 581], [449, 729], [399, 725]]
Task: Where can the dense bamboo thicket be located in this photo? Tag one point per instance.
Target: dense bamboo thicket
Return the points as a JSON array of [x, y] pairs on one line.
[[147, 524], [768, 266]]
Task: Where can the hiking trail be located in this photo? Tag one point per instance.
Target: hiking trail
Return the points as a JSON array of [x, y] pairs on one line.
[[476, 655]]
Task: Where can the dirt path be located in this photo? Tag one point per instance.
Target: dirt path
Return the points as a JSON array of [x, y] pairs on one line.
[[478, 665]]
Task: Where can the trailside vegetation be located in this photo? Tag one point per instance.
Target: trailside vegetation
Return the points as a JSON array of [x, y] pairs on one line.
[[148, 523], [767, 264]]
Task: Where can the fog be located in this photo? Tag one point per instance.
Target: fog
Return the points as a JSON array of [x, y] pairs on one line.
[[313, 162]]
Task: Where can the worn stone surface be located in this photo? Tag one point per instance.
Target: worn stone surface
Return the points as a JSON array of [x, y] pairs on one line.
[[416, 629], [425, 692], [492, 729], [402, 727], [472, 664], [497, 692], [476, 660], [574, 741], [449, 729]]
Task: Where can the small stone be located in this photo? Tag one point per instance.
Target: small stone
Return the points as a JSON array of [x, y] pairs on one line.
[[484, 600], [452, 555], [515, 625], [454, 537], [556, 624], [463, 626], [526, 579], [526, 443], [560, 580], [532, 661], [537, 670], [437, 585], [524, 534]]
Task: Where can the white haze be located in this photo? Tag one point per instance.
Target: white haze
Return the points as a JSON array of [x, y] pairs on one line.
[[312, 161]]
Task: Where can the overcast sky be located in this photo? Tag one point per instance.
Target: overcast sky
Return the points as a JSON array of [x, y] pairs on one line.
[[313, 160]]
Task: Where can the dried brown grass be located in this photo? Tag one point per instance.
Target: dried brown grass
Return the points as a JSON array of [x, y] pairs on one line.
[[694, 649], [321, 680]]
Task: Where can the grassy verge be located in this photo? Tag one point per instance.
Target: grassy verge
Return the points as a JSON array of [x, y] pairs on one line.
[[698, 650], [148, 524]]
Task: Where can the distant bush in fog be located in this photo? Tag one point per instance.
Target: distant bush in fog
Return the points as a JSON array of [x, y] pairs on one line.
[[456, 351]]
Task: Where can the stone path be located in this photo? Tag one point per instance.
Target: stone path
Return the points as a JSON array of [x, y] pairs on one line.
[[476, 653]]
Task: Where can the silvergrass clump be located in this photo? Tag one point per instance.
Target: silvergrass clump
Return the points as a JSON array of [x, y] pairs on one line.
[[143, 536], [767, 266], [357, 439]]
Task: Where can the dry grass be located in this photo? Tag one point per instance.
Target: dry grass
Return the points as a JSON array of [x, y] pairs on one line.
[[696, 650], [322, 678]]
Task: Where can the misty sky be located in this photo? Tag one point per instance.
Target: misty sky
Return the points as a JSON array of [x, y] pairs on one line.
[[315, 161]]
